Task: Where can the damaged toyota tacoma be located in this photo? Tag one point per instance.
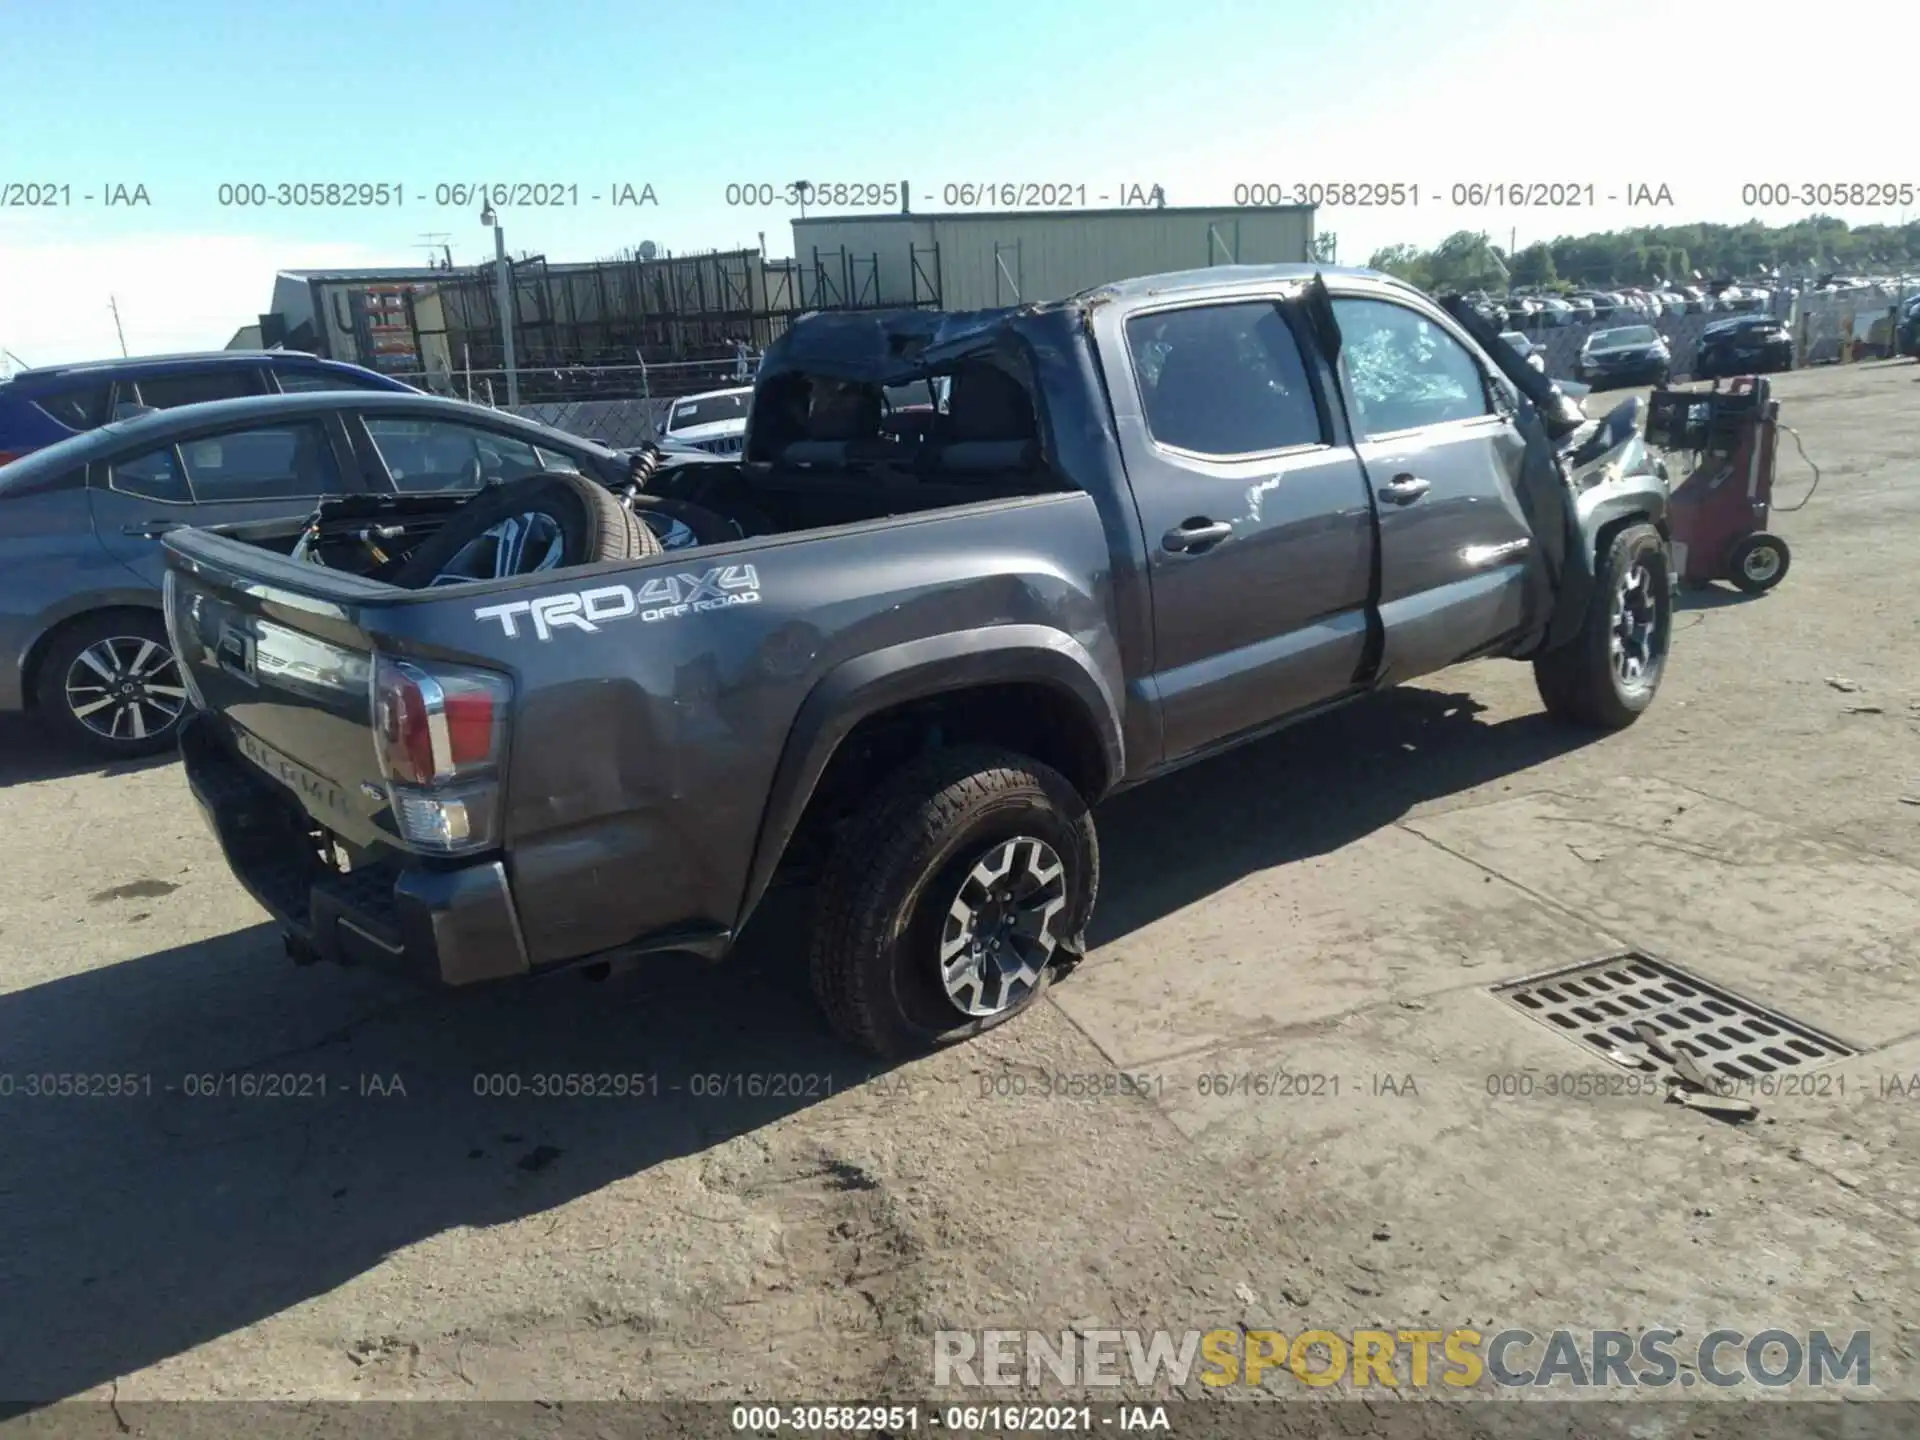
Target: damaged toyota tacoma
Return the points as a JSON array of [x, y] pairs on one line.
[[899, 653]]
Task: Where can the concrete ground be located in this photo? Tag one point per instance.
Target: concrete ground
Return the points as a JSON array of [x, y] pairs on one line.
[[1334, 903]]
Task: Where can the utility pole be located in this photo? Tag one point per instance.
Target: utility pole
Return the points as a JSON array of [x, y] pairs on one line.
[[114, 305], [505, 284], [436, 240]]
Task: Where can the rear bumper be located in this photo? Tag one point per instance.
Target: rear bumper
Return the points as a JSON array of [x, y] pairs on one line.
[[1637, 372], [448, 926], [1747, 362]]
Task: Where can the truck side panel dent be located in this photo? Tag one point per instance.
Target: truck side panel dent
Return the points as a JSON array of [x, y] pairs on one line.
[[939, 665], [643, 752]]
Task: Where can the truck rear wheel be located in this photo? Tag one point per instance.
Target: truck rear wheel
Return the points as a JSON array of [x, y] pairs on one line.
[[951, 900], [1607, 674]]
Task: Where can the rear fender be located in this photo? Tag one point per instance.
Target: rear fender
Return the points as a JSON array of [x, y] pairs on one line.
[[917, 670]]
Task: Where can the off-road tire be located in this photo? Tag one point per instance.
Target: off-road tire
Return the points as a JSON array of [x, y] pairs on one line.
[[874, 957], [1577, 681], [593, 522]]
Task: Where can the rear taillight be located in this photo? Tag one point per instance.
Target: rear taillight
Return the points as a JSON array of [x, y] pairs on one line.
[[8, 456], [177, 637], [441, 732], [437, 723]]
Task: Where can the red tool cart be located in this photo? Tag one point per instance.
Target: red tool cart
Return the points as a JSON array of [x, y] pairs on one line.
[[1719, 511]]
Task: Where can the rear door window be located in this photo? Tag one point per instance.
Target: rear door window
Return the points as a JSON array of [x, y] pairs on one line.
[[296, 382], [291, 461], [430, 456], [156, 475], [196, 387], [1223, 379], [78, 407]]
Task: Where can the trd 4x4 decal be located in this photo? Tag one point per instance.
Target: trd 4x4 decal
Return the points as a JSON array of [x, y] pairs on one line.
[[664, 598]]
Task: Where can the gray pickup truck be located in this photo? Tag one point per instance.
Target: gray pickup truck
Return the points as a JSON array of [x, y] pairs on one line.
[[901, 653]]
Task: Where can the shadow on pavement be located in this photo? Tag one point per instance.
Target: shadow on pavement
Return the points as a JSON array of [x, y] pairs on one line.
[[250, 1135], [1304, 792], [1712, 597], [28, 753]]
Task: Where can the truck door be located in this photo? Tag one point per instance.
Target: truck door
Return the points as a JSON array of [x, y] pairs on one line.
[[1258, 528], [1435, 430]]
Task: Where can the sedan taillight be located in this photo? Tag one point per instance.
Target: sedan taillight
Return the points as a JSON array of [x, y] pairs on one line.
[[441, 732]]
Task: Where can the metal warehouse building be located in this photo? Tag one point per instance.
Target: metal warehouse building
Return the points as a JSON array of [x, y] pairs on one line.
[[979, 261]]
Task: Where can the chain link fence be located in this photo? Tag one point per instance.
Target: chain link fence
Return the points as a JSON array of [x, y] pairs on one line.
[[618, 405], [543, 381], [619, 424], [1827, 329]]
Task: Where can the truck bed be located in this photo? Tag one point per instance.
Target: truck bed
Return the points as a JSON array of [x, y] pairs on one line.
[[642, 750]]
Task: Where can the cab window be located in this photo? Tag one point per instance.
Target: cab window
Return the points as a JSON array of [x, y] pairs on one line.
[[1406, 371], [1223, 379]]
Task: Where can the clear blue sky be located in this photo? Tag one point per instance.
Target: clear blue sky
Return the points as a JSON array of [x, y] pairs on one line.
[[183, 95]]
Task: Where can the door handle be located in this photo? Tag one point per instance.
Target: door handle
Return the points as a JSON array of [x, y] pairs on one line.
[[1405, 489], [1199, 533]]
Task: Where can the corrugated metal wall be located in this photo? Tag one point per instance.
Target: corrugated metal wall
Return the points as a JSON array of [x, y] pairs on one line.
[[1003, 259]]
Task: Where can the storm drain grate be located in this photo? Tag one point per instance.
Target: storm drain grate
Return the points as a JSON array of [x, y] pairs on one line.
[[1598, 1004]]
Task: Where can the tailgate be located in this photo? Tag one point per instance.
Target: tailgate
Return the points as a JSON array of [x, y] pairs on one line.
[[282, 653]]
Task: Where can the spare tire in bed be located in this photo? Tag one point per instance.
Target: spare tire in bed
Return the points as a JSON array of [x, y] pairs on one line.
[[680, 524], [540, 523]]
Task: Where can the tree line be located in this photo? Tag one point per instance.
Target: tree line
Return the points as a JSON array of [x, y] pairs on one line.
[[1662, 254]]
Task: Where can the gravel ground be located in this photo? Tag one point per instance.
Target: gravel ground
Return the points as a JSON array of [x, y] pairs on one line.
[[1334, 903]]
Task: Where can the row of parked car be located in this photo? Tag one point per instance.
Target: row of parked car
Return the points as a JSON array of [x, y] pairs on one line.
[[1542, 310], [1640, 355], [96, 460]]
